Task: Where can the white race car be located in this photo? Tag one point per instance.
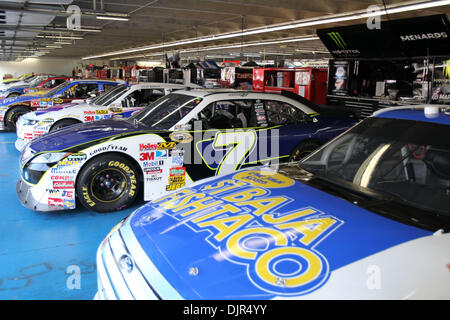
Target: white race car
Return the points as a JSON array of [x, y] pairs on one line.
[[124, 100]]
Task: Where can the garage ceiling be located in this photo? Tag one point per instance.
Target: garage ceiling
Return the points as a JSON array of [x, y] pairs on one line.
[[163, 21]]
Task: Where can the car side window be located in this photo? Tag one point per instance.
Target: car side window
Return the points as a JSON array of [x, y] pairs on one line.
[[142, 98], [281, 113], [53, 83], [228, 114], [108, 87]]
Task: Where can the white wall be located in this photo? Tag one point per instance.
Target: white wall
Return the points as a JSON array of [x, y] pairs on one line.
[[57, 66]]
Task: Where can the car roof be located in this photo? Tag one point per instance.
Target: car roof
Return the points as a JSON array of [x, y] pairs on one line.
[[416, 113], [161, 85], [244, 94], [94, 80]]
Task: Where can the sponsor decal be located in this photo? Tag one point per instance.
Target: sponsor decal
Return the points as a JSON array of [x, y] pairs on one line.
[[181, 137], [101, 112], [67, 162], [56, 202], [63, 171], [35, 103], [67, 194], [176, 182], [248, 225], [115, 110], [153, 170], [177, 172], [148, 147], [177, 161], [153, 179], [60, 178], [147, 156], [77, 157], [69, 204], [166, 145], [147, 164], [161, 153], [63, 184], [89, 113], [108, 148]]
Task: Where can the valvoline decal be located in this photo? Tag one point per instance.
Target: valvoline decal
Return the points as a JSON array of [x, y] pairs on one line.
[[258, 234]]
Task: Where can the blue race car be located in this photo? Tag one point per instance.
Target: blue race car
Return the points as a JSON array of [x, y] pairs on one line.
[[365, 217], [180, 138], [12, 109], [39, 83]]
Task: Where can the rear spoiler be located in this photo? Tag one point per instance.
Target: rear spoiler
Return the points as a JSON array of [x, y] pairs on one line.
[[330, 111]]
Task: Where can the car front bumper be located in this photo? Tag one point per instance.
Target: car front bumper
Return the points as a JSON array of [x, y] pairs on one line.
[[26, 133], [35, 198], [21, 143]]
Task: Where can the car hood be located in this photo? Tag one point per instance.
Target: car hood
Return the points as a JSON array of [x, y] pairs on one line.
[[22, 98], [49, 112], [234, 255], [82, 134]]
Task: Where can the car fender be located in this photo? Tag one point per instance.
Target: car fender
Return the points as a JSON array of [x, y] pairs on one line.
[[154, 164]]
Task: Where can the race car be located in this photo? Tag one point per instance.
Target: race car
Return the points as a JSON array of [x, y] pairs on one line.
[[367, 216], [122, 101], [13, 81], [183, 137], [70, 91], [40, 83]]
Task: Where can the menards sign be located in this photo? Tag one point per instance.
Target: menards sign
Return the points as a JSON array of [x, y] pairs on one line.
[[424, 36]]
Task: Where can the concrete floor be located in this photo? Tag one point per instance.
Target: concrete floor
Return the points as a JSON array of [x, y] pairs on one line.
[[37, 249]]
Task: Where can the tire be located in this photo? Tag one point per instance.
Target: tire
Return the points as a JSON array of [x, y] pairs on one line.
[[63, 123], [13, 115], [108, 183], [303, 150]]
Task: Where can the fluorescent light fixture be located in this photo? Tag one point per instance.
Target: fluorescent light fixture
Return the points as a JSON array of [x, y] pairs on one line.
[[62, 42], [230, 46], [53, 46], [356, 15], [117, 18], [87, 30], [60, 37], [276, 53], [311, 50]]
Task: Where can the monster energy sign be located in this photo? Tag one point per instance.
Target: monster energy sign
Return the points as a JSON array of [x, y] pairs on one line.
[[338, 39], [342, 45]]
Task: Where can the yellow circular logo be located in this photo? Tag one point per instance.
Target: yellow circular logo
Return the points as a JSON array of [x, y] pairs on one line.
[[264, 179]]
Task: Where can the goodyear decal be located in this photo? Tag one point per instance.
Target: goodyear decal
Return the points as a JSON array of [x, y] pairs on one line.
[[247, 225]]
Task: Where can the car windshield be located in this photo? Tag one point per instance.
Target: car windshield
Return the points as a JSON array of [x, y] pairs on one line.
[[167, 111], [402, 160], [108, 97], [53, 91]]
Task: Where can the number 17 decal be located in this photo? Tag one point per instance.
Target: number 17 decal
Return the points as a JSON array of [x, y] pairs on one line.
[[241, 142]]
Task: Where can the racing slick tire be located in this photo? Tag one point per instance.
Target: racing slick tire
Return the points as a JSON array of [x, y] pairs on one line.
[[63, 123], [303, 149], [108, 183], [13, 115]]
